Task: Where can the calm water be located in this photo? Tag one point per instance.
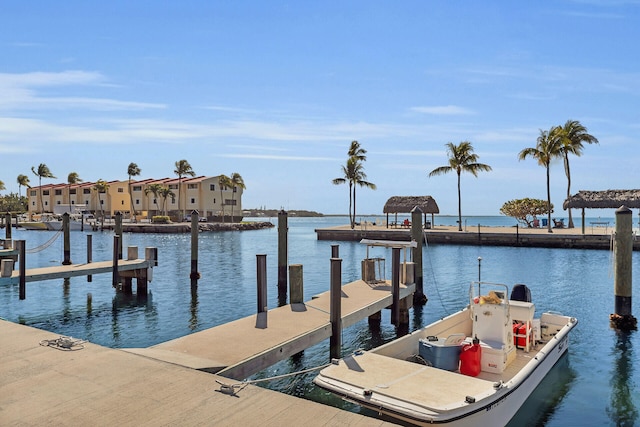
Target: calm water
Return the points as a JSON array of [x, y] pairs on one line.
[[597, 384]]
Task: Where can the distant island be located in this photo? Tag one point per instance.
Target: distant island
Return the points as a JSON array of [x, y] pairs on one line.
[[274, 213]]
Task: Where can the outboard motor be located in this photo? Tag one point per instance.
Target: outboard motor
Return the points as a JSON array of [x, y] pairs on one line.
[[521, 292]]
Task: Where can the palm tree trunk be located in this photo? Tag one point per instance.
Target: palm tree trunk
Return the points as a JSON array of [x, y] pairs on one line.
[[568, 172], [222, 204], [351, 205], [459, 205], [549, 200], [354, 208]]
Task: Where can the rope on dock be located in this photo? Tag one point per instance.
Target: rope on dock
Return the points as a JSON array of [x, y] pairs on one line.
[[45, 245], [64, 343], [232, 389]]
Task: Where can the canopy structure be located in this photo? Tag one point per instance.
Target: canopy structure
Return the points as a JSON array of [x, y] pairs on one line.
[[608, 199], [406, 204]]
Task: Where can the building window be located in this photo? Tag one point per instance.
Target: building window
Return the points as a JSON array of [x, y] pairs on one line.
[[155, 201], [120, 190], [212, 187], [230, 202], [58, 202], [46, 203], [173, 186], [102, 202], [72, 191], [193, 200], [173, 200], [58, 192], [33, 204], [86, 191], [33, 193], [137, 188], [45, 192], [192, 186], [137, 201], [235, 189]]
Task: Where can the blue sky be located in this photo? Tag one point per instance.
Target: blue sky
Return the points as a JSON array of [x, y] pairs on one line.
[[277, 90]]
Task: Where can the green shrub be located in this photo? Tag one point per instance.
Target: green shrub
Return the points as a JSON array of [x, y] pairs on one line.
[[160, 219]]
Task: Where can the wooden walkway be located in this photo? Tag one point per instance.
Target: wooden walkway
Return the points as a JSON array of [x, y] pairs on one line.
[[73, 270], [99, 386], [246, 346]]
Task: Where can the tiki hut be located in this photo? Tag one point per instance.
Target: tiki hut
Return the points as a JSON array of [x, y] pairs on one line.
[[406, 204], [608, 199]]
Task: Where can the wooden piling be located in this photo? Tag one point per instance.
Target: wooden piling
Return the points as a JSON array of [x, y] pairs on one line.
[[89, 254], [7, 226], [115, 279], [335, 309], [195, 275], [623, 251], [261, 267], [282, 254], [335, 251], [21, 246], [151, 254], [67, 239], [6, 268], [395, 286], [296, 286], [417, 234], [118, 232]]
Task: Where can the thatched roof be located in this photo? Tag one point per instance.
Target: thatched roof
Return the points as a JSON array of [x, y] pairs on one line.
[[609, 199], [405, 204]]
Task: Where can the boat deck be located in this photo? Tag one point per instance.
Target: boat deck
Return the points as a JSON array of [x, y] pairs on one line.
[[405, 381]]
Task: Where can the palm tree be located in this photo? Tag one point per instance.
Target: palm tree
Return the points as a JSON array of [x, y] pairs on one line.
[[461, 159], [236, 182], [165, 192], [132, 170], [23, 181], [573, 134], [183, 168], [223, 182], [154, 189], [356, 151], [41, 172], [548, 147], [353, 173], [72, 179], [101, 186], [2, 187]]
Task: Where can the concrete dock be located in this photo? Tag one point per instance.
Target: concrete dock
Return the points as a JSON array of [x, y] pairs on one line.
[[98, 386], [598, 237], [244, 347], [73, 270]]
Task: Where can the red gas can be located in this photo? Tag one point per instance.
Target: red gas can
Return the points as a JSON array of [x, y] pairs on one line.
[[470, 358]]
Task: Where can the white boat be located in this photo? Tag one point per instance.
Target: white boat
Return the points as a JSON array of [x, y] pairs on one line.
[[425, 377], [75, 222]]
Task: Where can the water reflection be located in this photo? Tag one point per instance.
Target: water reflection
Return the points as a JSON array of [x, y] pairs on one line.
[[546, 398], [622, 410]]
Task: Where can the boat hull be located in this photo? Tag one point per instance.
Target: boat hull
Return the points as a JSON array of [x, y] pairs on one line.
[[491, 407]]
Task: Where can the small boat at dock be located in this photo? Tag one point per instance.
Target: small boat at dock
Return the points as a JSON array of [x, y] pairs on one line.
[[475, 367]]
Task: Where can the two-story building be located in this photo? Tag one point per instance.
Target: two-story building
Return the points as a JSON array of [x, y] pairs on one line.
[[147, 198]]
